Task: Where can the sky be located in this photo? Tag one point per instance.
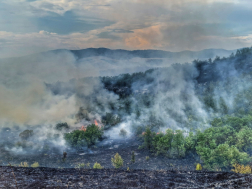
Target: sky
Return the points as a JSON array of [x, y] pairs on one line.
[[31, 26]]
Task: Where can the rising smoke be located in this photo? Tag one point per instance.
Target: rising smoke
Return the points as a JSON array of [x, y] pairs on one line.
[[39, 91]]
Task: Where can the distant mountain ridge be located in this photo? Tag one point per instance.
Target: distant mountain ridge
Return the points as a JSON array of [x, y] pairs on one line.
[[124, 54]]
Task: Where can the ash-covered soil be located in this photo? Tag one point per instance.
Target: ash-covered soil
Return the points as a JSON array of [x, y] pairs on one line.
[[102, 154], [18, 177], [157, 172]]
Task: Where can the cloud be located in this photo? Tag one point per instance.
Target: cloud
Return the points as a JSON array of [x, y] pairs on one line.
[[167, 25]]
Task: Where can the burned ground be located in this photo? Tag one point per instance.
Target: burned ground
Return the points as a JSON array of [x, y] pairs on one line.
[[157, 172], [102, 154], [19, 177]]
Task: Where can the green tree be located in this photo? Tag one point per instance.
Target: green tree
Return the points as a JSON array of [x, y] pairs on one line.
[[190, 142], [178, 142], [92, 134], [223, 106], [80, 138], [164, 142], [147, 138], [244, 139], [117, 161], [62, 126]]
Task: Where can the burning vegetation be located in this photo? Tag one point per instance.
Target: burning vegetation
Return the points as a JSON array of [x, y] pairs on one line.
[[195, 115]]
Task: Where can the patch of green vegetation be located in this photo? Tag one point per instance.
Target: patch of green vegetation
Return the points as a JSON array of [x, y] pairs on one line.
[[62, 126], [97, 166], [117, 161], [226, 142], [80, 138]]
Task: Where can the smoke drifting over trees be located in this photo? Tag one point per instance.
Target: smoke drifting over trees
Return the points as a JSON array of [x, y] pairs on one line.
[[39, 91]]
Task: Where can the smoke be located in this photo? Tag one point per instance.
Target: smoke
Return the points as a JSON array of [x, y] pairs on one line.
[[39, 91], [27, 101]]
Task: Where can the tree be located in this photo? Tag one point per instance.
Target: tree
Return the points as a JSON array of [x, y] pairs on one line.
[[147, 138], [190, 142], [223, 106], [92, 134], [178, 142], [164, 142], [117, 161], [244, 139], [62, 126], [133, 157], [76, 138]]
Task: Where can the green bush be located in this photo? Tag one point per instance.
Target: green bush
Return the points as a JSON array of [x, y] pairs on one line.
[[190, 142], [80, 165], [198, 167], [117, 161], [178, 143], [80, 138], [244, 139], [23, 164], [216, 146], [148, 135], [97, 166], [228, 141], [76, 138], [163, 142], [35, 164]]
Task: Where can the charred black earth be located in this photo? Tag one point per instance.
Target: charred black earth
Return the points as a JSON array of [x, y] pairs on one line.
[[19, 177], [156, 172]]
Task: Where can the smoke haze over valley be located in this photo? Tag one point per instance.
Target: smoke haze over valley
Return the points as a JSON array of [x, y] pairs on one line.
[[126, 84]]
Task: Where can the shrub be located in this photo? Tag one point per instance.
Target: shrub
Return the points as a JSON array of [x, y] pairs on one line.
[[190, 142], [178, 143], [198, 167], [123, 133], [92, 134], [97, 166], [147, 158], [222, 156], [117, 161], [163, 142], [88, 165], [244, 139], [23, 164], [26, 134], [62, 126], [76, 138], [80, 165], [80, 138], [133, 157], [147, 138], [24, 144], [35, 164], [241, 169]]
